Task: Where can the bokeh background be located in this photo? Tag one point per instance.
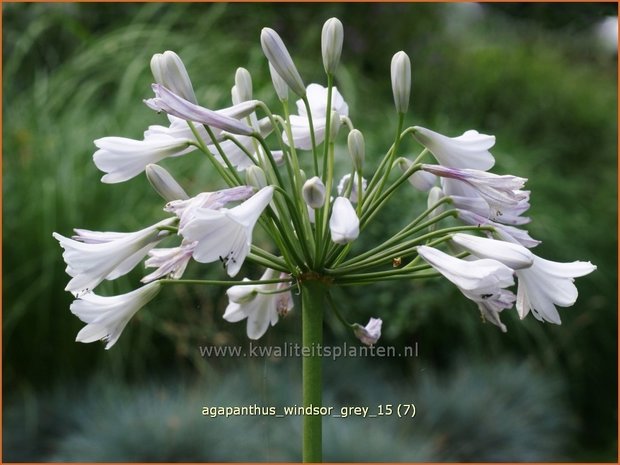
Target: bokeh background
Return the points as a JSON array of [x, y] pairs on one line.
[[541, 77]]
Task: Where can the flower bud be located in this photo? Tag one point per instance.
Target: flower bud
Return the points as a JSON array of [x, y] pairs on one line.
[[243, 83], [255, 177], [434, 196], [169, 71], [234, 96], [421, 180], [401, 81], [278, 84], [357, 149], [164, 184], [277, 54], [344, 224], [331, 44], [314, 192]]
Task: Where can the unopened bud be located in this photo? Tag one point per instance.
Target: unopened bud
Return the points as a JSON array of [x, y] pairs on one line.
[[357, 149], [331, 44], [169, 71], [434, 196], [243, 83], [164, 184], [234, 94], [314, 192], [277, 54], [344, 224], [401, 81], [255, 177]]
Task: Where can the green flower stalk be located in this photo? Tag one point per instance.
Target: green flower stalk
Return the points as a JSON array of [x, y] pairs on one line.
[[469, 231]]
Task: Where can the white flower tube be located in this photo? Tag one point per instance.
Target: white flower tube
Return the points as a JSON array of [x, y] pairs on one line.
[[106, 317], [470, 150], [260, 304], [226, 235], [344, 224], [370, 333], [547, 284], [512, 255], [93, 256], [122, 158]]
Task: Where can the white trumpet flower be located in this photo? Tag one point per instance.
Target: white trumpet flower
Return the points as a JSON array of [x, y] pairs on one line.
[[260, 304], [106, 317], [469, 150], [93, 256], [224, 234], [547, 284]]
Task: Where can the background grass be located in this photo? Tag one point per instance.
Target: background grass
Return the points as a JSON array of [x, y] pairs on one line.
[[530, 74]]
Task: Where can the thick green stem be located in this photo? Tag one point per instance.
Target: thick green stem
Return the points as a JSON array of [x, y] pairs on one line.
[[313, 304]]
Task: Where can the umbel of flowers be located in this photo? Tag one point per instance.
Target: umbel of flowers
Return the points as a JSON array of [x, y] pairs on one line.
[[276, 171]]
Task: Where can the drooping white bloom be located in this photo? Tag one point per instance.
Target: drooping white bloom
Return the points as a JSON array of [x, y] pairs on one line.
[[106, 317], [93, 256], [469, 150], [260, 304], [332, 37], [167, 101], [169, 71], [278, 56], [164, 184], [122, 158], [225, 234], [344, 224], [512, 255], [505, 232], [495, 188], [170, 262], [483, 281], [313, 192], [400, 71], [300, 126], [370, 333], [343, 186], [478, 276], [547, 284], [185, 209]]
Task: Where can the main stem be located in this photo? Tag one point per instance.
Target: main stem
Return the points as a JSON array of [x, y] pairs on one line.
[[313, 303]]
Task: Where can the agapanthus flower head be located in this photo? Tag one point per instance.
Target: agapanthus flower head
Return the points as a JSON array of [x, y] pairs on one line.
[[106, 317]]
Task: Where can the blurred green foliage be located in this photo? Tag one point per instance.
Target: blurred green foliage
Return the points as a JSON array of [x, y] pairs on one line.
[[77, 72]]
